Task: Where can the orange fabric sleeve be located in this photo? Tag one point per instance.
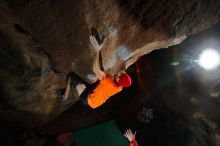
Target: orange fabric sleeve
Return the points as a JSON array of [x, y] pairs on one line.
[[134, 143], [105, 89]]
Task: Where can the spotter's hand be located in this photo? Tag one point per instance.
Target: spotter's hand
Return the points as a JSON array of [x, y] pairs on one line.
[[129, 135]]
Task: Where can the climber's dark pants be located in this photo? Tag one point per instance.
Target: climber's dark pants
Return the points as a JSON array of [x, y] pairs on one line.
[[75, 80], [84, 96]]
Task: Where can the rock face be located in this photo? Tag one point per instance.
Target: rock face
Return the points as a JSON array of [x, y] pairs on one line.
[[42, 41]]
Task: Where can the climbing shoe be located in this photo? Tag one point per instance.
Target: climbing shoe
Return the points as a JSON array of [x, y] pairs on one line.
[[95, 33], [64, 100], [61, 95]]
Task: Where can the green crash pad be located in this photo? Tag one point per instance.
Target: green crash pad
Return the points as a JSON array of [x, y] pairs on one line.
[[105, 134]]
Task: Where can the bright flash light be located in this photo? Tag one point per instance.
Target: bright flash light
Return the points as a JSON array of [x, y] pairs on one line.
[[209, 59]]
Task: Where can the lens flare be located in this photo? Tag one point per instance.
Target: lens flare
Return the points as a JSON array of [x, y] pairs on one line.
[[209, 59]]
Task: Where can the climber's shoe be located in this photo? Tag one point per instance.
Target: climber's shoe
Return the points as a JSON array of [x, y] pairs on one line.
[[66, 101], [95, 33], [61, 95]]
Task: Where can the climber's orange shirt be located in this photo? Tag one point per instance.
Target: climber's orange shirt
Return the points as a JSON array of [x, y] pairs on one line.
[[105, 89]]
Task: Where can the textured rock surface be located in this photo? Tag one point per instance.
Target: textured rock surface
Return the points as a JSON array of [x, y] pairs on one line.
[[41, 41]]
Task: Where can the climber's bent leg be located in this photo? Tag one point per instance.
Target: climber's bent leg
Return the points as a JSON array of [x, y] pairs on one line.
[[80, 88], [75, 79]]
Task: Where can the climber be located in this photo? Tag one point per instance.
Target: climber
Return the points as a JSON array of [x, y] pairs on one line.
[[131, 137], [96, 94]]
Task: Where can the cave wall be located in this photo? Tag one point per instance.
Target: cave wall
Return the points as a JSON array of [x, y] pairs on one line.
[[42, 41], [131, 28]]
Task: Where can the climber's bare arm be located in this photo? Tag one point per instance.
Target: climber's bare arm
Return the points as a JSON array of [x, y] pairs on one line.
[[96, 67], [131, 61], [67, 89]]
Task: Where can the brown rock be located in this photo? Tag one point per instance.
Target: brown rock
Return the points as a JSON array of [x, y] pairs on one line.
[[42, 41]]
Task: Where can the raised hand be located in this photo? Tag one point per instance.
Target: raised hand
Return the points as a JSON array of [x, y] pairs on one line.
[[129, 135]]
